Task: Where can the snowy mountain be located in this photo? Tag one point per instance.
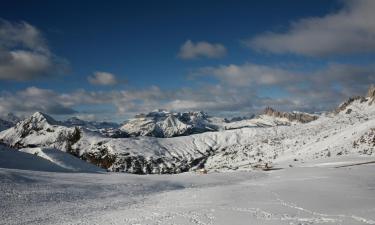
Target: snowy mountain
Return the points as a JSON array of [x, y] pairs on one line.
[[160, 123], [244, 144], [108, 129], [40, 130], [290, 116], [74, 121]]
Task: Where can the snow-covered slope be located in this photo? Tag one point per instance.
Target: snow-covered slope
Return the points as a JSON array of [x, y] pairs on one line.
[[37, 159]]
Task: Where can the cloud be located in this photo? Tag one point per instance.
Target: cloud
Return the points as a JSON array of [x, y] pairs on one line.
[[309, 91], [316, 90], [102, 78], [24, 54], [33, 99], [350, 30], [249, 74], [190, 50]]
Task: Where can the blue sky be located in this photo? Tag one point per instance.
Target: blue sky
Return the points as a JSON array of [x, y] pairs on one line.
[[112, 59]]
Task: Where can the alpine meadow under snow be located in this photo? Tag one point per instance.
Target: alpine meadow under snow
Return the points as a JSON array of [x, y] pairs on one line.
[[187, 112]]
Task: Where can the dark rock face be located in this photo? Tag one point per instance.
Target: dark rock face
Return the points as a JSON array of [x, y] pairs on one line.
[[291, 116]]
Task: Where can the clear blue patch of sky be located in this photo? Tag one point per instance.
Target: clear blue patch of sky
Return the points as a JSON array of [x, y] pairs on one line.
[[139, 40]]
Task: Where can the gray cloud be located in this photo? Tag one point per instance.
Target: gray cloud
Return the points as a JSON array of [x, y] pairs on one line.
[[33, 99], [314, 91], [317, 90], [190, 50], [24, 54], [102, 78], [249, 74], [350, 30]]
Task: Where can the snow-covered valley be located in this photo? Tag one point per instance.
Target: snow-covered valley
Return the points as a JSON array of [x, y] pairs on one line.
[[319, 193]]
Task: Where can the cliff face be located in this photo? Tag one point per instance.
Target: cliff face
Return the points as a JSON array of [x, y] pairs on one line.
[[291, 116]]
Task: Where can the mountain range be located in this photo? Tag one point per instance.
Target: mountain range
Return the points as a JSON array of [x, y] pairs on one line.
[[169, 142]]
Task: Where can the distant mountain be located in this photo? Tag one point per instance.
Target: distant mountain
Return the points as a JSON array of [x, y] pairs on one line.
[[243, 144], [301, 117], [7, 121], [108, 129], [74, 121], [162, 123]]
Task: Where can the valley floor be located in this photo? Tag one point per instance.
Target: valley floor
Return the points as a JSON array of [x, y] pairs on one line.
[[325, 192]]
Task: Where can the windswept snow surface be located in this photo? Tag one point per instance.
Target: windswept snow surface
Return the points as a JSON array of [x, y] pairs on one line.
[[315, 194]]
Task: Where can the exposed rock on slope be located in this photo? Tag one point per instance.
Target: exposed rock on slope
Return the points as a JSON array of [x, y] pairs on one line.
[[371, 94], [291, 116], [370, 98]]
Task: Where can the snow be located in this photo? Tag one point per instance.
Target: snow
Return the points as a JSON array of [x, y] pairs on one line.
[[308, 195], [39, 159]]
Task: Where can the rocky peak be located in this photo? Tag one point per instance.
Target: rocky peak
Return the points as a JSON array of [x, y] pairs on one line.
[[162, 123], [370, 98], [39, 117], [291, 116]]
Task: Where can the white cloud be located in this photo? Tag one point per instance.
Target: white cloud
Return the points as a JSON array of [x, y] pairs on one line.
[[24, 54], [190, 50], [102, 78], [314, 91], [350, 30], [33, 99], [249, 74]]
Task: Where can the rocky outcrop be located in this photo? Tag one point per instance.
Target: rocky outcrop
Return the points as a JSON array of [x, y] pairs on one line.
[[291, 116], [370, 98], [371, 94], [348, 102], [366, 143]]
